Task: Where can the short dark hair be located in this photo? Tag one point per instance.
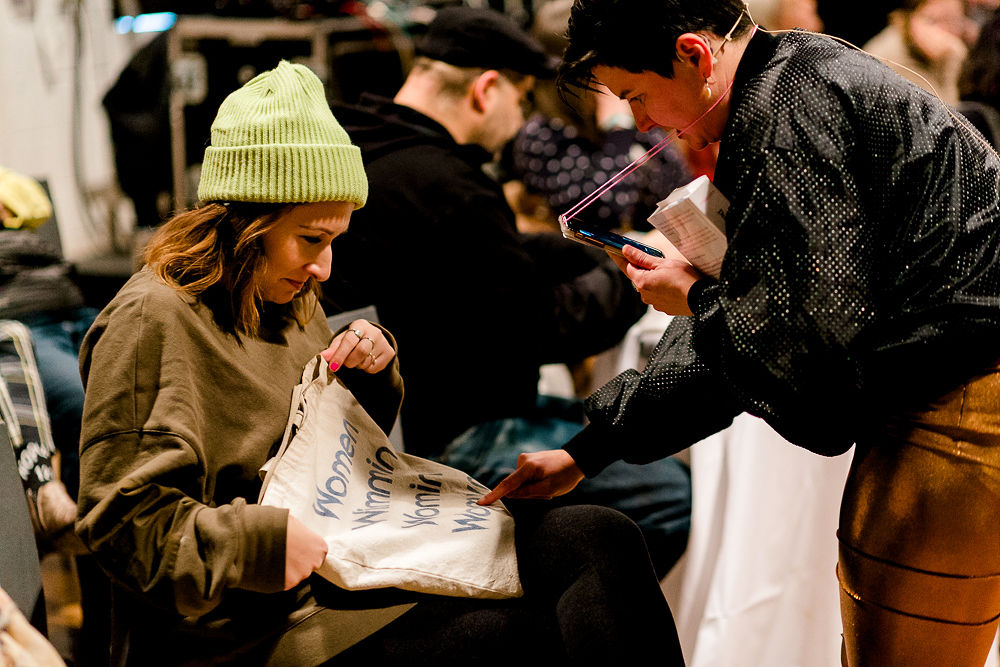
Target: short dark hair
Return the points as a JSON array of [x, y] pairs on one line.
[[634, 35]]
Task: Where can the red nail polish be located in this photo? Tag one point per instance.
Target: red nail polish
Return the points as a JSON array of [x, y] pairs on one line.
[[334, 366]]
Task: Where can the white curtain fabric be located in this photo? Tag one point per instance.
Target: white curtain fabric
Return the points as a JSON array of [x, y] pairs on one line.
[[758, 585]]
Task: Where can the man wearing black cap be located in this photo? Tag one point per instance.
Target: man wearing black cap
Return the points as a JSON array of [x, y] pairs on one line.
[[475, 306]]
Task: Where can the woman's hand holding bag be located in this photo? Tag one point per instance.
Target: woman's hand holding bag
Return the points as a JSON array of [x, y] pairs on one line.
[[387, 518], [362, 345]]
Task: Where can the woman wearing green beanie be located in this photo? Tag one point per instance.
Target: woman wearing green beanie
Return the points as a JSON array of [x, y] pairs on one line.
[[189, 373]]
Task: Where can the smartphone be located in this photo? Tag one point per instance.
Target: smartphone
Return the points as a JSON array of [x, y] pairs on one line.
[[605, 240]]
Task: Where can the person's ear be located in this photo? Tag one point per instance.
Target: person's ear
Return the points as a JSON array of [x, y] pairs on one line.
[[482, 88], [695, 50]]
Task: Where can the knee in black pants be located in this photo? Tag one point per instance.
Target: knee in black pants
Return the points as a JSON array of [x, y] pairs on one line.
[[591, 564]]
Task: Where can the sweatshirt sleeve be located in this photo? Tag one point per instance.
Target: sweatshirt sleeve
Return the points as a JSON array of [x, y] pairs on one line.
[[145, 504]]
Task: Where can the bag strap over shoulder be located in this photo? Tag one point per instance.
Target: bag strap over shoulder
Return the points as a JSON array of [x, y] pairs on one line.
[[296, 415]]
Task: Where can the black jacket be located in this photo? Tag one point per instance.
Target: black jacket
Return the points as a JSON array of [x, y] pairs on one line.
[[862, 277], [475, 307]]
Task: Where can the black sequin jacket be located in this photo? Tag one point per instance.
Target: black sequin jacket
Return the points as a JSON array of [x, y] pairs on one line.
[[862, 276]]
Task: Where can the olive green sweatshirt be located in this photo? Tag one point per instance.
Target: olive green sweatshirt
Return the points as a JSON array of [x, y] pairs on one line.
[[179, 416]]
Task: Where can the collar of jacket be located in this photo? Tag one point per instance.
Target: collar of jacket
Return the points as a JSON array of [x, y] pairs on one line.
[[423, 125]]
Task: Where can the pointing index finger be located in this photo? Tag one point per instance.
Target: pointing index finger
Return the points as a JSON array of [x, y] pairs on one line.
[[507, 485]]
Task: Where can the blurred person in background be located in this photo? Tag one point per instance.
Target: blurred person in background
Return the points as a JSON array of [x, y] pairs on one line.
[[979, 81], [564, 152], [924, 42], [857, 21], [43, 317], [786, 14], [978, 12]]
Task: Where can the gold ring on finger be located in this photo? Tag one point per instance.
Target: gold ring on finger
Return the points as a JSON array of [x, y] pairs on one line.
[[357, 332]]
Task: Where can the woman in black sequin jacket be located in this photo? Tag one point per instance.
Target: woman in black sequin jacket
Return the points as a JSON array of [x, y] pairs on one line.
[[858, 305]]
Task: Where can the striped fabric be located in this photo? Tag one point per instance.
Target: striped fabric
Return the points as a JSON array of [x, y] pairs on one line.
[[22, 406]]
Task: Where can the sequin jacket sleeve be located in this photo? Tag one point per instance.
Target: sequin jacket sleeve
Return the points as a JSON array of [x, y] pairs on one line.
[[641, 417], [861, 275]]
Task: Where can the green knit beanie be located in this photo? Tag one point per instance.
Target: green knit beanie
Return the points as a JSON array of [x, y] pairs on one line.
[[276, 140]]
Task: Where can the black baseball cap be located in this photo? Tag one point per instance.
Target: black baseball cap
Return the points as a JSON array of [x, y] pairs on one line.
[[470, 37]]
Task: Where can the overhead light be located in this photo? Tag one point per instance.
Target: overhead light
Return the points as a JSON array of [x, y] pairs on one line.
[[153, 22]]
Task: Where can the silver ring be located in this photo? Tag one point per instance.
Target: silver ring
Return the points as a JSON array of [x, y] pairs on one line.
[[357, 333]]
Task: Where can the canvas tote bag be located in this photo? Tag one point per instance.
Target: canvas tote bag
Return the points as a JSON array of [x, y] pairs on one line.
[[389, 518]]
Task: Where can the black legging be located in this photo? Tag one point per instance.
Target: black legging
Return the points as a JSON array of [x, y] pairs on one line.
[[590, 597]]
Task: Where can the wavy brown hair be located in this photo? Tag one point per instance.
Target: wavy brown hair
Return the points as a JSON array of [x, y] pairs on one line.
[[216, 252]]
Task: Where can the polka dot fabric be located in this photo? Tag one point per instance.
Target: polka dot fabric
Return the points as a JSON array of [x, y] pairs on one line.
[[554, 160], [863, 271]]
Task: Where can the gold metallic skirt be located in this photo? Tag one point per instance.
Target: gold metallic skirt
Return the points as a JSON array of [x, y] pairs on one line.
[[919, 535]]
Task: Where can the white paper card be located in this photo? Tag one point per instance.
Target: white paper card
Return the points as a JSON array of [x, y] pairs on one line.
[[693, 220]]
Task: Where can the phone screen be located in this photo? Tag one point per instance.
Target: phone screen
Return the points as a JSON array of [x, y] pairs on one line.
[[606, 240]]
